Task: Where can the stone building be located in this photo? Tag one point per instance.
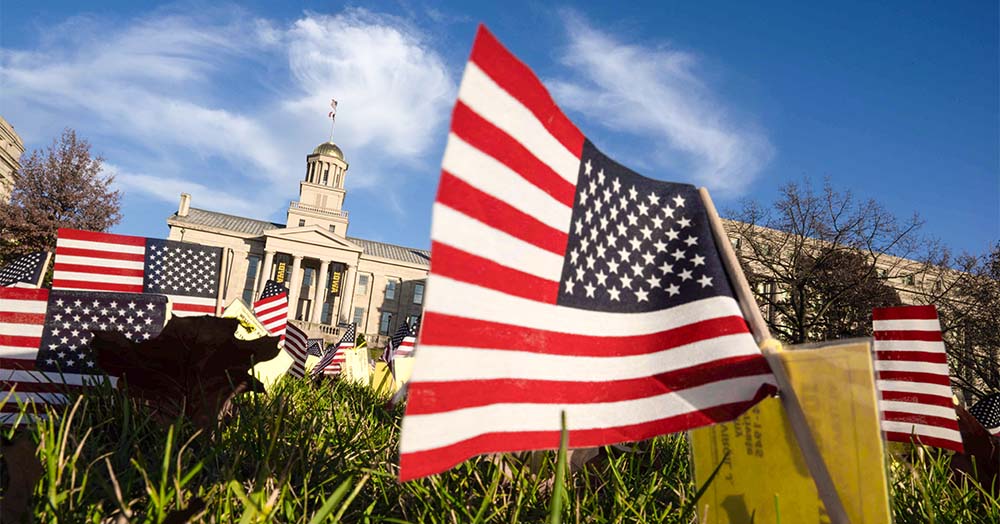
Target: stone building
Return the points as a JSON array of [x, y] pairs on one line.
[[333, 279], [11, 149]]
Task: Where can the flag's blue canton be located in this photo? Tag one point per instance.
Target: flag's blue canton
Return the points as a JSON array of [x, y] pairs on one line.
[[636, 244], [987, 411], [271, 289], [181, 268], [415, 328], [315, 347], [72, 316], [25, 269]]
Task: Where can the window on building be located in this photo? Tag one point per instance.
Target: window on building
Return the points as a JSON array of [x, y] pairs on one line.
[[882, 273], [326, 175], [362, 285], [302, 222], [308, 276], [359, 315], [391, 288], [326, 313], [383, 323], [333, 228], [736, 242], [907, 279], [418, 294], [253, 264], [412, 319]]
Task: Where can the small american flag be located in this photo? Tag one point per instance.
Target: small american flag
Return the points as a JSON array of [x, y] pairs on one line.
[[987, 412], [913, 378], [408, 344], [315, 347], [564, 282], [272, 308], [25, 271], [332, 114], [45, 337], [295, 344], [186, 273], [332, 363], [392, 346]]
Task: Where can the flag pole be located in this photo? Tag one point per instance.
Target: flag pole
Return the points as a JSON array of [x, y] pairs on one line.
[[771, 349]]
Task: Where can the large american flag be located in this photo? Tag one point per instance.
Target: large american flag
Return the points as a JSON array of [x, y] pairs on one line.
[[45, 338], [25, 271], [272, 308], [564, 282], [913, 379], [409, 342], [295, 343], [332, 363], [186, 273]]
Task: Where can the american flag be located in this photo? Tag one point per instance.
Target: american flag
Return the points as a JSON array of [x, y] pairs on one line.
[[272, 308], [913, 379], [332, 363], [45, 336], [295, 344], [315, 347], [987, 412], [408, 343], [25, 271], [392, 346], [186, 273], [564, 282]]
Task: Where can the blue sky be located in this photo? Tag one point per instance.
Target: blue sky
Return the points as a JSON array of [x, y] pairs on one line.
[[895, 102]]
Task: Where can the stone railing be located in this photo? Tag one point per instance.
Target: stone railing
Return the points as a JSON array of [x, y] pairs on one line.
[[317, 209]]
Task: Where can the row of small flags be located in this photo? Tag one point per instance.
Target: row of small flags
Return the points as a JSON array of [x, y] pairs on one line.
[[562, 282]]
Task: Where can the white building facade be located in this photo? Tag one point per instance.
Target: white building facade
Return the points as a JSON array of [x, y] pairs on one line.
[[333, 279]]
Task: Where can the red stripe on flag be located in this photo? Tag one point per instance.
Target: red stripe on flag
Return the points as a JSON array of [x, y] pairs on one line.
[[43, 387], [905, 313], [99, 253], [518, 79], [89, 285], [93, 236], [17, 317], [20, 341], [490, 139], [25, 364], [198, 308], [99, 270], [913, 376], [912, 356], [436, 397], [15, 293], [460, 196], [918, 398], [422, 463], [922, 336], [896, 436], [459, 265], [444, 330]]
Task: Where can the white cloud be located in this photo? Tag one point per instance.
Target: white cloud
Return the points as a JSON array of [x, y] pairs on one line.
[[655, 94], [168, 190], [237, 98]]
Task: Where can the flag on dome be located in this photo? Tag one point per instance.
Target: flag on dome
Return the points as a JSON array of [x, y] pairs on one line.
[[564, 282], [295, 344], [408, 344], [332, 362], [272, 308], [186, 273], [913, 378], [25, 271], [987, 412], [45, 337]]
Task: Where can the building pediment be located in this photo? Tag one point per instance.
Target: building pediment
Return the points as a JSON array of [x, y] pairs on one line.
[[310, 235]]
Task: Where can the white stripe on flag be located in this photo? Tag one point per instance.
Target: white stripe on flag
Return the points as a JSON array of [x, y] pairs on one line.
[[918, 408], [86, 278], [909, 345], [104, 262], [911, 366], [907, 325], [922, 429], [101, 246], [914, 387]]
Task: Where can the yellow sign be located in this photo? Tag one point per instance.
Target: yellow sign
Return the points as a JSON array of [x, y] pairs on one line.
[[763, 474], [279, 274], [250, 327]]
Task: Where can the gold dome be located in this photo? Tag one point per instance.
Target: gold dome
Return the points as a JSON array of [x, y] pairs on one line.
[[329, 149]]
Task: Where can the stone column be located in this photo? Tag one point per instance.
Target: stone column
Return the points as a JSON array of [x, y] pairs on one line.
[[295, 284], [265, 271], [319, 294], [347, 295]]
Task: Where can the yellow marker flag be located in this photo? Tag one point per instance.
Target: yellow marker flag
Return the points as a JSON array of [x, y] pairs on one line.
[[764, 477]]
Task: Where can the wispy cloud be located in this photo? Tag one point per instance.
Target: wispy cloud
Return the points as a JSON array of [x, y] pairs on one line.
[[655, 95], [227, 99]]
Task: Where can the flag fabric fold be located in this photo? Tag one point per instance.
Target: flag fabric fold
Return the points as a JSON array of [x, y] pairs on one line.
[[25, 271], [564, 282], [408, 344], [331, 364], [272, 308], [188, 274], [913, 378], [295, 343]]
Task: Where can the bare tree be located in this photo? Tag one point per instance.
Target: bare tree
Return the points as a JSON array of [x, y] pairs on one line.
[[60, 187], [819, 263]]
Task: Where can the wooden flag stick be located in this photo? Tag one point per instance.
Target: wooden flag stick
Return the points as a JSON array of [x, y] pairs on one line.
[[44, 271], [772, 348]]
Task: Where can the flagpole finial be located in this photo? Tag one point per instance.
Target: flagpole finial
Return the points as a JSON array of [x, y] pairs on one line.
[[332, 115]]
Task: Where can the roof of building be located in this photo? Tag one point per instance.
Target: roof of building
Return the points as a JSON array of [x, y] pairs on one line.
[[250, 226], [329, 149]]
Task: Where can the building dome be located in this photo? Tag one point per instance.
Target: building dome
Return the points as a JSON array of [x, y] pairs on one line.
[[329, 149]]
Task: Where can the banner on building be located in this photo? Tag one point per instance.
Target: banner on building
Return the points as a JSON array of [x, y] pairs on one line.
[[335, 278], [763, 474], [281, 273]]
